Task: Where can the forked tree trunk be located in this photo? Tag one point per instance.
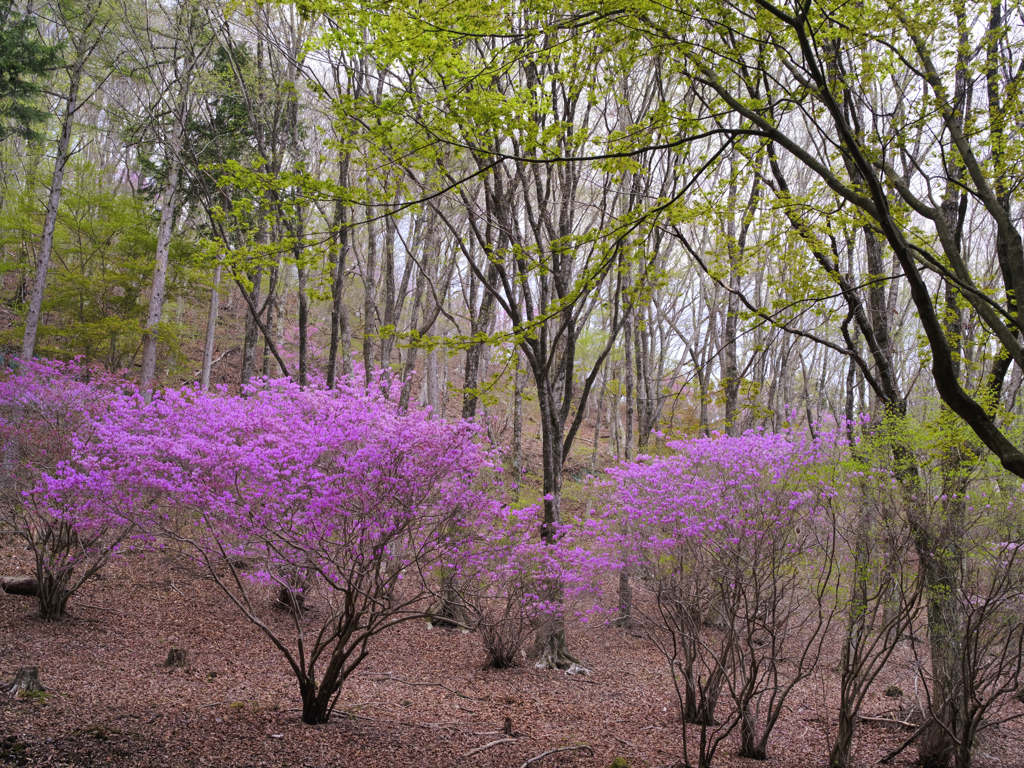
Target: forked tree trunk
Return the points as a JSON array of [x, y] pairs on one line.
[[53, 598], [839, 757]]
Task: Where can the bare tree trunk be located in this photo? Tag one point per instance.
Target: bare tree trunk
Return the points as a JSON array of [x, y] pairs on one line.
[[303, 326], [163, 251], [391, 309], [625, 596], [627, 331], [597, 418], [479, 324], [25, 682], [303, 270], [551, 646], [211, 329], [410, 360], [252, 330], [517, 424], [35, 305], [340, 334], [433, 388], [369, 298], [275, 314], [613, 421]]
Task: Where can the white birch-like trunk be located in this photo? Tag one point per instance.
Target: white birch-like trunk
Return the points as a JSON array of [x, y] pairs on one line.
[[211, 328], [163, 249], [35, 305]]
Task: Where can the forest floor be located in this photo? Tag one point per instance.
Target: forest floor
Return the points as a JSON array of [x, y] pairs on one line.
[[421, 698]]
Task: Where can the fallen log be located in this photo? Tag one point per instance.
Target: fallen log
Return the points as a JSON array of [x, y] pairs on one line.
[[535, 758], [19, 585]]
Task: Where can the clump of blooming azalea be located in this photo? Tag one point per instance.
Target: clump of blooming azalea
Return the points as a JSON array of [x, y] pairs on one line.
[[327, 516]]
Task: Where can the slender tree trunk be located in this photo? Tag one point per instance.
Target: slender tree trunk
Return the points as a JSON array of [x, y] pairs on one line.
[[387, 336], [627, 332], [303, 326], [340, 334], [211, 328], [551, 646], [433, 388], [730, 360], [410, 360], [480, 324], [517, 425], [274, 314], [369, 298], [303, 270], [597, 418], [252, 329], [163, 250], [63, 154], [625, 596]]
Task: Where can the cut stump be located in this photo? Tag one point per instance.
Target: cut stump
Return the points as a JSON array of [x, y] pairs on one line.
[[176, 658], [291, 600], [25, 682]]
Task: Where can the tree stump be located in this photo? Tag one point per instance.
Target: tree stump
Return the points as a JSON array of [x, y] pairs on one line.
[[19, 585], [291, 600], [176, 658], [26, 682]]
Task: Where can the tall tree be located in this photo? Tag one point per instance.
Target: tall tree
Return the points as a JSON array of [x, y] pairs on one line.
[[82, 28], [25, 63]]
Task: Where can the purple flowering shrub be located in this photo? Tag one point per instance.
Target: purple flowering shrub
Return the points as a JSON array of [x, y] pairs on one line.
[[503, 572], [48, 410], [335, 501], [726, 536]]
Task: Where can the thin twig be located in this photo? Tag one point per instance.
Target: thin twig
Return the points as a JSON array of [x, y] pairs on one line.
[[913, 737], [488, 746], [199, 373], [553, 751], [886, 721]]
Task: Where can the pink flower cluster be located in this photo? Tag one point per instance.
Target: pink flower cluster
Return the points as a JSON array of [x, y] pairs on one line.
[[329, 480], [44, 409], [715, 492]]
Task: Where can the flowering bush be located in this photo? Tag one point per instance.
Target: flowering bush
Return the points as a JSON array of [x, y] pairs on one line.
[[46, 409], [335, 500], [503, 572], [724, 534]]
